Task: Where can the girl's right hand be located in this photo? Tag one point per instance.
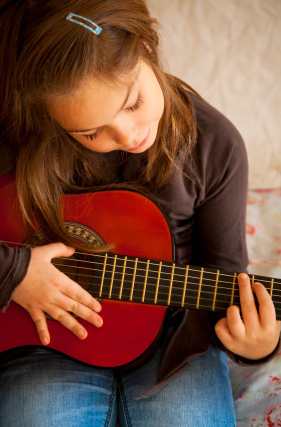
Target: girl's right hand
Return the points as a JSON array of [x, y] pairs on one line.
[[45, 288]]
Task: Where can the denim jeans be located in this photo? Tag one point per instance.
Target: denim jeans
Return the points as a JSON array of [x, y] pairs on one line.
[[42, 388]]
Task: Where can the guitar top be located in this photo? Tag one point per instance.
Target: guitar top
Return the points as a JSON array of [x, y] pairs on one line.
[[136, 282]]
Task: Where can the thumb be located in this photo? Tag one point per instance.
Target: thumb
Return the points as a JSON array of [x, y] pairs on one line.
[[53, 250], [221, 328]]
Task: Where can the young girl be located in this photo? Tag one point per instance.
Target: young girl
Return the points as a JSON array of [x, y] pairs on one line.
[[86, 104]]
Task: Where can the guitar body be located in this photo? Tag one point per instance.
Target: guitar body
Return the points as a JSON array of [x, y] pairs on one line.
[[136, 227]]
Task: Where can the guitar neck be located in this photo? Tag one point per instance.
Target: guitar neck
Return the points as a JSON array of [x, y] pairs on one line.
[[140, 280]]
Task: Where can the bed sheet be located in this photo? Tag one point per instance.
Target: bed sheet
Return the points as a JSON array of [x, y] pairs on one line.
[[257, 390]]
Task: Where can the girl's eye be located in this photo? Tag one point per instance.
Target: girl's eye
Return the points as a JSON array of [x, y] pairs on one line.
[[94, 135], [137, 105]]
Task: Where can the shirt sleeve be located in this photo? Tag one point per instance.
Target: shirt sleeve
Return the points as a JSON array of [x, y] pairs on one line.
[[221, 215], [220, 227], [14, 265]]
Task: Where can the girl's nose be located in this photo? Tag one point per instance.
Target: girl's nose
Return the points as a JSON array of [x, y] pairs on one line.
[[126, 134]]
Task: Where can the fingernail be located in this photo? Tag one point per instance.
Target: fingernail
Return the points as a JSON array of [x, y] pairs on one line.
[[81, 334], [45, 341], [98, 322], [243, 276], [97, 308]]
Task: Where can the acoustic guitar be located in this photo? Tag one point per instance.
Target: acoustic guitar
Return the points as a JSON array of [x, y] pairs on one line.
[[137, 282]]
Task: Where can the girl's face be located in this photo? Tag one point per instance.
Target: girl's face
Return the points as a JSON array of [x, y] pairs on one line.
[[105, 116]]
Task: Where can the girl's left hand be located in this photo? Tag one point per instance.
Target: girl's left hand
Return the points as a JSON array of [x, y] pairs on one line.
[[255, 333]]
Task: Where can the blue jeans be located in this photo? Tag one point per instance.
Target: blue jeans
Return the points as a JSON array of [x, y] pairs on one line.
[[41, 388]]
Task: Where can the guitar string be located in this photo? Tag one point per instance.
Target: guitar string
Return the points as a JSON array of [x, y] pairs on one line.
[[274, 295], [175, 281], [220, 304], [163, 303], [178, 266], [179, 270], [188, 296], [188, 303], [163, 273], [205, 269]]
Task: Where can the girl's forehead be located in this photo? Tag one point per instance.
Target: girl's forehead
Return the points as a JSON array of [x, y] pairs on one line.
[[94, 102]]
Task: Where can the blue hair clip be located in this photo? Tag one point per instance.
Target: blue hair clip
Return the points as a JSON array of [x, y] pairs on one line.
[[96, 30]]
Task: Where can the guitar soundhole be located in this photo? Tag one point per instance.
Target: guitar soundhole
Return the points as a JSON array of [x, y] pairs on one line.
[[78, 231], [80, 266]]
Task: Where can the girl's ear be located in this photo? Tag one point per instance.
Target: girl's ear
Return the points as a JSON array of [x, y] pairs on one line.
[[148, 47]]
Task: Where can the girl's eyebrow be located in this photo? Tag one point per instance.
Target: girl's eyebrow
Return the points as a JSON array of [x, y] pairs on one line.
[[129, 90]]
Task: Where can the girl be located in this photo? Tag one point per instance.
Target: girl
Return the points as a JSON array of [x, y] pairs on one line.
[[86, 104]]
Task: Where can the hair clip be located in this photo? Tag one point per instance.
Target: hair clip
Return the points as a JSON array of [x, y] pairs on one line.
[[96, 30], [148, 47]]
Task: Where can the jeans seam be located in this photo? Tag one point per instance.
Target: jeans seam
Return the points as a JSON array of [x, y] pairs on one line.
[[110, 404], [124, 402]]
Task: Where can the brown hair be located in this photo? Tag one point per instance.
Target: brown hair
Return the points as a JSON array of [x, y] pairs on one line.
[[43, 55]]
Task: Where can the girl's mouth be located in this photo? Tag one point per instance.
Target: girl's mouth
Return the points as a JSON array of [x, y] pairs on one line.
[[143, 142]]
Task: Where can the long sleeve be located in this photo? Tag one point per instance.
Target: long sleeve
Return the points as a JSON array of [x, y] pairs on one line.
[[14, 264]]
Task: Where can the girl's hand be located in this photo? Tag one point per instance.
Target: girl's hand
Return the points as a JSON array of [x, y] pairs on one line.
[[45, 288], [255, 333]]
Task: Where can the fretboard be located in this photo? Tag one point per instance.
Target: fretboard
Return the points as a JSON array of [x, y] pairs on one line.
[[140, 280]]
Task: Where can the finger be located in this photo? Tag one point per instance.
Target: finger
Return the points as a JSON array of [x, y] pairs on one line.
[[235, 323], [75, 292], [223, 333], [248, 307], [69, 322], [79, 310], [54, 250], [39, 319], [267, 313]]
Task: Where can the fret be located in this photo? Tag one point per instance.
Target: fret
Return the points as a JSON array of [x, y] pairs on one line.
[[271, 287], [123, 276], [200, 287], [134, 278], [103, 274], [165, 283], [215, 291], [171, 284], [158, 281], [207, 288], [253, 279], [184, 286], [145, 280], [112, 276], [233, 288]]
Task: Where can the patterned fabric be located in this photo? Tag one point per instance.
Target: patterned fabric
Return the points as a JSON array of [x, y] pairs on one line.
[[257, 389]]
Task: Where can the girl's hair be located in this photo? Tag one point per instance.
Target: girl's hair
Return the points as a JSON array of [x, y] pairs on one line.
[[43, 55]]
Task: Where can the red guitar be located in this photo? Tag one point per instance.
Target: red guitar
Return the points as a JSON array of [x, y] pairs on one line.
[[136, 288]]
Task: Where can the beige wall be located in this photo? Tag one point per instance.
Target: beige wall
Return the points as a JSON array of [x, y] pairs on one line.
[[230, 52]]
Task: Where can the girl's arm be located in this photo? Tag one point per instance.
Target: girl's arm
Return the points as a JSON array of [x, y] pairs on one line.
[[221, 236], [14, 264]]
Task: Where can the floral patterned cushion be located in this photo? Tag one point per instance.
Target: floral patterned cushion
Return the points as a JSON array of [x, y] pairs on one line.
[[257, 389]]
